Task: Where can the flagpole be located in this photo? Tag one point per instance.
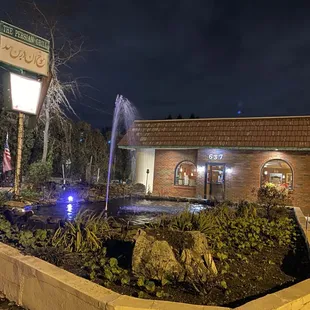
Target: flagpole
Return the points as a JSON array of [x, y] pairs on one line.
[[20, 140]]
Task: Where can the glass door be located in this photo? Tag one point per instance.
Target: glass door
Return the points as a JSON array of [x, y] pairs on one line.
[[215, 182]]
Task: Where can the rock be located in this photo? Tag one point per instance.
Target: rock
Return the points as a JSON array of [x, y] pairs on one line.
[[154, 259], [14, 204], [197, 260]]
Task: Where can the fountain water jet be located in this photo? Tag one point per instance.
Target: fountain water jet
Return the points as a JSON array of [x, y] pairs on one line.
[[124, 114]]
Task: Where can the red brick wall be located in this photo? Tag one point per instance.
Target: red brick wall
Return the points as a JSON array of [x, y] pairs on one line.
[[246, 168], [245, 175], [164, 169]]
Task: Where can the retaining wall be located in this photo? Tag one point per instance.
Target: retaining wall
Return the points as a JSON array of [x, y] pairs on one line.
[[38, 285]]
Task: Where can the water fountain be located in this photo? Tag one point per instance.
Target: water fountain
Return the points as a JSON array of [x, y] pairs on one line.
[[124, 115]]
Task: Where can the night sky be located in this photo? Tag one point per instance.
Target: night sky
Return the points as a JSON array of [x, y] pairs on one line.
[[210, 58]]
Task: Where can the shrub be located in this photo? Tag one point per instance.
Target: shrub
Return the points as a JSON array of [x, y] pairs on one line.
[[39, 173], [246, 209], [52, 255], [106, 269], [83, 234], [270, 196], [30, 194], [237, 230], [3, 198], [138, 188]]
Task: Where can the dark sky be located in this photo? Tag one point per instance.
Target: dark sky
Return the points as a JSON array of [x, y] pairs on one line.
[[211, 58]]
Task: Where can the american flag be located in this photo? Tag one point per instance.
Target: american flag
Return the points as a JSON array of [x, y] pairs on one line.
[[6, 156]]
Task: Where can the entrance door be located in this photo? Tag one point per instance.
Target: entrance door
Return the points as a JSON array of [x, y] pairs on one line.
[[215, 182]]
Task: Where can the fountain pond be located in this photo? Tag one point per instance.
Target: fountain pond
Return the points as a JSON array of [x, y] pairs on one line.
[[136, 211]]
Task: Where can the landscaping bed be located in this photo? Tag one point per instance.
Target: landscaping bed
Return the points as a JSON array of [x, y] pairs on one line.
[[224, 256], [8, 305]]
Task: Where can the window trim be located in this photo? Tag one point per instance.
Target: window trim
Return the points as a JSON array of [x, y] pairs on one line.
[[175, 174], [280, 159]]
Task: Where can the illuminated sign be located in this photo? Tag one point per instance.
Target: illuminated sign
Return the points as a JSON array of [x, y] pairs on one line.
[[22, 94]]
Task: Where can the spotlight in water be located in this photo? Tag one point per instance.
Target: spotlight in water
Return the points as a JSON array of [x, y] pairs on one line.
[[70, 198]]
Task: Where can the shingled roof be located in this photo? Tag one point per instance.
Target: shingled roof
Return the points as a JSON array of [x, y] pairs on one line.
[[235, 133]]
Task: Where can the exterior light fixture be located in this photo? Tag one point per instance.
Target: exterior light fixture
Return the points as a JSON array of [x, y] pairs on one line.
[[228, 170], [265, 172], [201, 169], [181, 169], [22, 94]]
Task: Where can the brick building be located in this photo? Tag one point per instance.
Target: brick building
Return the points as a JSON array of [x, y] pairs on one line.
[[222, 158]]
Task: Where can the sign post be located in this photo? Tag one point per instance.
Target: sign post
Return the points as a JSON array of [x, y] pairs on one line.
[[20, 139], [28, 54]]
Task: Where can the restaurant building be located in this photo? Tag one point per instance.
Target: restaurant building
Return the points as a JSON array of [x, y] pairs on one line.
[[222, 159]]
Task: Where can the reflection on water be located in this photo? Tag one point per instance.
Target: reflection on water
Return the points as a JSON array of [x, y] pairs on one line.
[[132, 210], [69, 211]]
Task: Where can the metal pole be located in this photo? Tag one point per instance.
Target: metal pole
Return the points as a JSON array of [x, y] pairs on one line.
[[63, 174], [98, 175], [147, 175], [20, 140]]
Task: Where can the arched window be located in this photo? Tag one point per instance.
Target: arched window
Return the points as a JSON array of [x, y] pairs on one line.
[[278, 172], [185, 174]]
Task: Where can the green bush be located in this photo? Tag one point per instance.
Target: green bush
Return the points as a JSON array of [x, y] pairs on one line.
[[30, 194], [237, 229], [39, 173], [270, 196], [83, 234]]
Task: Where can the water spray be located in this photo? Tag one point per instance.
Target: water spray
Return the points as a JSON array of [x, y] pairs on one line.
[[124, 112]]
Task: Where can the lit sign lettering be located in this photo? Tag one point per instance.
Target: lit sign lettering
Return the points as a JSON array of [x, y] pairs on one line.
[[215, 156]]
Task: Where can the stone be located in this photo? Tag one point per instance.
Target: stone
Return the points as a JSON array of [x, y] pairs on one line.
[[14, 204], [197, 260], [154, 259]]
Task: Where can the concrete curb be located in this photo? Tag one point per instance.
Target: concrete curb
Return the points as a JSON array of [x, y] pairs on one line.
[[38, 285]]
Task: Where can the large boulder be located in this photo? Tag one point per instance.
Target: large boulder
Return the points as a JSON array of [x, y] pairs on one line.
[[181, 260], [154, 259]]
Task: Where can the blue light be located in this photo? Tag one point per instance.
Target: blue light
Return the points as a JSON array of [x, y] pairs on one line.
[[27, 208], [239, 112], [109, 141], [70, 198]]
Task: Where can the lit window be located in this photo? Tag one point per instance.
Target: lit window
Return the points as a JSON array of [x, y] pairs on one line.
[[185, 174], [278, 172]]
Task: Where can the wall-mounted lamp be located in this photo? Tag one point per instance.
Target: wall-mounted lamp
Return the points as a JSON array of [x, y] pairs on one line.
[[201, 169], [228, 170], [265, 172]]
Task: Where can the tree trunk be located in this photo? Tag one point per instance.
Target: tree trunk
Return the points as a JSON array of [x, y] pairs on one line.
[[46, 132]]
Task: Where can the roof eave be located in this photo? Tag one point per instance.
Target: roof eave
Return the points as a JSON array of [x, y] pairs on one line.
[[254, 148]]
